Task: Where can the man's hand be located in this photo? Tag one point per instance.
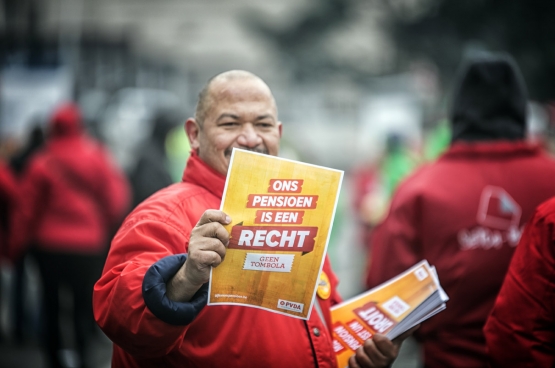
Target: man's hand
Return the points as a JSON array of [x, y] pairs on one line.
[[379, 351], [207, 247]]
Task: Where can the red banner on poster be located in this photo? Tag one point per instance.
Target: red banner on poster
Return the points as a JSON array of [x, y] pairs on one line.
[[282, 238]]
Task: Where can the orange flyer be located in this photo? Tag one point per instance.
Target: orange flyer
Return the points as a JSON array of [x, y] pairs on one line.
[[389, 309], [282, 213]]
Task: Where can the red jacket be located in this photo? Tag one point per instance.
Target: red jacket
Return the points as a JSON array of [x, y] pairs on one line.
[[520, 331], [8, 193], [70, 194], [464, 214], [220, 336]]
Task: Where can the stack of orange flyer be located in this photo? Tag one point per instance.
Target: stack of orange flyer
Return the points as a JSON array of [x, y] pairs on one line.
[[282, 213], [389, 309]]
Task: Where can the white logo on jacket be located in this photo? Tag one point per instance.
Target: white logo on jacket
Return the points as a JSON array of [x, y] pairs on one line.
[[498, 218]]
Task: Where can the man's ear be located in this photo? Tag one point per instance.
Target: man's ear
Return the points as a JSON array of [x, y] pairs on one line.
[[192, 129], [280, 127]]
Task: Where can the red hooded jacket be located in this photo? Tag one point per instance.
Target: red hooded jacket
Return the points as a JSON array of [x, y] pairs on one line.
[[71, 193], [520, 331], [148, 333]]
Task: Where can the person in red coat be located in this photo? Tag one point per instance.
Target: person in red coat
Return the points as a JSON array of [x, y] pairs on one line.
[[464, 212], [520, 332], [72, 196], [150, 300], [7, 196]]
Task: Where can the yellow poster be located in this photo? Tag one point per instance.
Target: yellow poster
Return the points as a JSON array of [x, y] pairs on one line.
[[389, 309], [282, 212]]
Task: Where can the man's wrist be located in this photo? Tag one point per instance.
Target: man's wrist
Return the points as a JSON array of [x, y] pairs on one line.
[[155, 292], [180, 288]]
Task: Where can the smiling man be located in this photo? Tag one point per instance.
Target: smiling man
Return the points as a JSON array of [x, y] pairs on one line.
[[151, 297]]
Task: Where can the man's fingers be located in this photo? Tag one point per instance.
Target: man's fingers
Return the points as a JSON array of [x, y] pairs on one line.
[[378, 352], [385, 347], [353, 363], [362, 358], [199, 262], [213, 216], [206, 245], [209, 258], [211, 224], [211, 230]]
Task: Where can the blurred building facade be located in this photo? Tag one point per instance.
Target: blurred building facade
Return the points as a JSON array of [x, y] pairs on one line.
[[325, 62]]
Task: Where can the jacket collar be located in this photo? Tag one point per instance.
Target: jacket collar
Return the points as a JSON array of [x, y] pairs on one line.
[[199, 173], [501, 149]]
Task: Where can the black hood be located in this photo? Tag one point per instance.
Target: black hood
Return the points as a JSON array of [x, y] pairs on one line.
[[489, 101]]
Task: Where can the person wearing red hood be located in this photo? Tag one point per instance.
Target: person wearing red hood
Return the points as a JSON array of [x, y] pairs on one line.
[[72, 196], [465, 212]]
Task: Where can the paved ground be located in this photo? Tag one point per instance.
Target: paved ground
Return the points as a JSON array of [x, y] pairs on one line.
[[27, 352], [29, 355], [20, 356]]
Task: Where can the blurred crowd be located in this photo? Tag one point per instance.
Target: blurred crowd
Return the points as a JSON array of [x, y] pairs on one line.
[[460, 198], [63, 194]]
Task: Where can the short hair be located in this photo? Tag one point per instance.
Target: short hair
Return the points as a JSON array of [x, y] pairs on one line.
[[205, 97]]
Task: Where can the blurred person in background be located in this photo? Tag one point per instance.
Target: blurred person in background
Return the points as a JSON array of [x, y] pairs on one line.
[[151, 298], [22, 316], [520, 332], [178, 150], [375, 184], [368, 199], [71, 196], [465, 211], [151, 172], [8, 192], [399, 161], [35, 140]]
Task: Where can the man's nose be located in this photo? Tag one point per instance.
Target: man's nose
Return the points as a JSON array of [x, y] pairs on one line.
[[249, 136]]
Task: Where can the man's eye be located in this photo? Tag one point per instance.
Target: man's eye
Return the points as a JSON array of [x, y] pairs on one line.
[[265, 125], [229, 124]]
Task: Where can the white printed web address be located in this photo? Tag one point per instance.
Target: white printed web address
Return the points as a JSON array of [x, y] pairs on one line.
[[269, 262]]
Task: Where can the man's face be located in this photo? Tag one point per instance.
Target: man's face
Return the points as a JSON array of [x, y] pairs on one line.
[[242, 114]]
